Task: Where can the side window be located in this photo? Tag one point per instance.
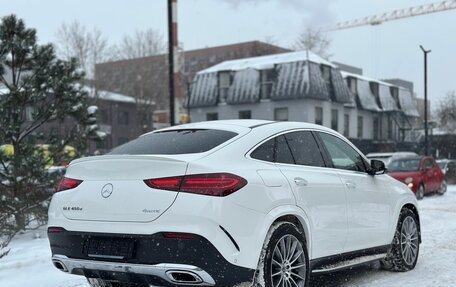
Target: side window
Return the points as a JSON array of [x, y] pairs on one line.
[[274, 150], [305, 149], [265, 151], [282, 151], [342, 155], [427, 163]]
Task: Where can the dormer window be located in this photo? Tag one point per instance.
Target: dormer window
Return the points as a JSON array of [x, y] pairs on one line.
[[395, 94], [375, 91], [352, 84], [326, 73], [224, 83], [267, 79]]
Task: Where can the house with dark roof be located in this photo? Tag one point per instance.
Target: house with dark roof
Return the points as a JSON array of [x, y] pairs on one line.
[[301, 86], [392, 107], [147, 77]]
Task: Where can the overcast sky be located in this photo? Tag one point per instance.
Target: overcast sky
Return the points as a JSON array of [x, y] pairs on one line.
[[390, 50]]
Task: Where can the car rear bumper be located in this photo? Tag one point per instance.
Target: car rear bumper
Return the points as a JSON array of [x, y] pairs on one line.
[[154, 260]]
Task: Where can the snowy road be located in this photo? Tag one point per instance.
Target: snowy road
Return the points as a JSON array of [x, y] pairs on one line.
[[28, 264]]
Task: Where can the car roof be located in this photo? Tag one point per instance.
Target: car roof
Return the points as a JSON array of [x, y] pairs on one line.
[[237, 125]]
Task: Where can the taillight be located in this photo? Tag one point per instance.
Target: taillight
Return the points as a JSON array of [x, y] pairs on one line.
[[213, 184], [67, 183], [166, 183]]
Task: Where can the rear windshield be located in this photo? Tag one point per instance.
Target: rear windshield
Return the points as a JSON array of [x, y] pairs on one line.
[[404, 165], [175, 142]]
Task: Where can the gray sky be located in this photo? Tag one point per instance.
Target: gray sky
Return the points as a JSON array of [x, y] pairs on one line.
[[387, 51]]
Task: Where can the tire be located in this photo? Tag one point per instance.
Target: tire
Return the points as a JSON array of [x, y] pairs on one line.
[[95, 282], [403, 253], [420, 192], [283, 257], [443, 188]]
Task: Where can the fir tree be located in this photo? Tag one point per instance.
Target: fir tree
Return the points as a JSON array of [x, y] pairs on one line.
[[36, 90]]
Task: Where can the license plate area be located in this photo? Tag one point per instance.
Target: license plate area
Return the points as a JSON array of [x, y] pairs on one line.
[[109, 248]]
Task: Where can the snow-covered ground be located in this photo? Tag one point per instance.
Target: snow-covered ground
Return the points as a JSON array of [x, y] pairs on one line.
[[28, 263]]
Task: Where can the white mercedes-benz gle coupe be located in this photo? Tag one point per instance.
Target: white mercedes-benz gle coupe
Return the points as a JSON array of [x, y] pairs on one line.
[[224, 202]]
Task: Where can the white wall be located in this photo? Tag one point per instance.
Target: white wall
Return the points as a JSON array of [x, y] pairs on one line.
[[302, 110]]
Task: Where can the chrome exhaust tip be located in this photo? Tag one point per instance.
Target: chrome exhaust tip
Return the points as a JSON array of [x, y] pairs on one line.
[[183, 277], [59, 265]]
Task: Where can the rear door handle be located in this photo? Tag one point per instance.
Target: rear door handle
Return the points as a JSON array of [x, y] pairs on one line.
[[350, 184], [300, 181]]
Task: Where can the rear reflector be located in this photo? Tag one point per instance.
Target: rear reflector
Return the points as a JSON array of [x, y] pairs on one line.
[[55, 230], [213, 184], [178, 235], [67, 183]]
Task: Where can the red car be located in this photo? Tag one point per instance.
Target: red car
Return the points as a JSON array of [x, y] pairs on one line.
[[421, 174]]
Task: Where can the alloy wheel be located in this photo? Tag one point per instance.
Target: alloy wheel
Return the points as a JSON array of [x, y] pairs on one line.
[[409, 240], [288, 266]]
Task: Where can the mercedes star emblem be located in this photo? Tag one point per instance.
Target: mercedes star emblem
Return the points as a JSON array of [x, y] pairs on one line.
[[107, 190]]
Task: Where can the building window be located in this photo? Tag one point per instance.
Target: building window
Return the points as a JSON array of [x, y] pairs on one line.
[[360, 127], [122, 118], [390, 128], [281, 114], [335, 119], [104, 117], [374, 88], [346, 125], [326, 73], [319, 115], [267, 79], [29, 113], [376, 129], [395, 94], [352, 85], [224, 82], [212, 116], [245, 114]]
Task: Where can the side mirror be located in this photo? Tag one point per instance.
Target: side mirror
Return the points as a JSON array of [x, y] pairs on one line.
[[377, 167]]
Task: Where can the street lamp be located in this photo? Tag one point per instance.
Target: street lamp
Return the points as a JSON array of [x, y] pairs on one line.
[[426, 146]]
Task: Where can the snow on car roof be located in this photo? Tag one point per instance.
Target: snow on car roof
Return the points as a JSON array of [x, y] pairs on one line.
[[267, 62]]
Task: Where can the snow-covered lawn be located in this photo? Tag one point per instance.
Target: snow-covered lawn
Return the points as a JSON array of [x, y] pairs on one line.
[[29, 264]]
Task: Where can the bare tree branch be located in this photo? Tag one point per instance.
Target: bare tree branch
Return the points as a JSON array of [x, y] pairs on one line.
[[314, 40], [143, 43]]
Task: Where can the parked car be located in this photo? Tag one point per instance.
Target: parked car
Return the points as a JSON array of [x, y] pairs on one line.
[[448, 167], [387, 157], [223, 202], [421, 174]]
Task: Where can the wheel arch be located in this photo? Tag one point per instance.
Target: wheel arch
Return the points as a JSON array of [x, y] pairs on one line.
[[294, 215]]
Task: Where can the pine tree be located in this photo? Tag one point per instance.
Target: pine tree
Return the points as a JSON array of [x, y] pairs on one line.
[[36, 90]]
